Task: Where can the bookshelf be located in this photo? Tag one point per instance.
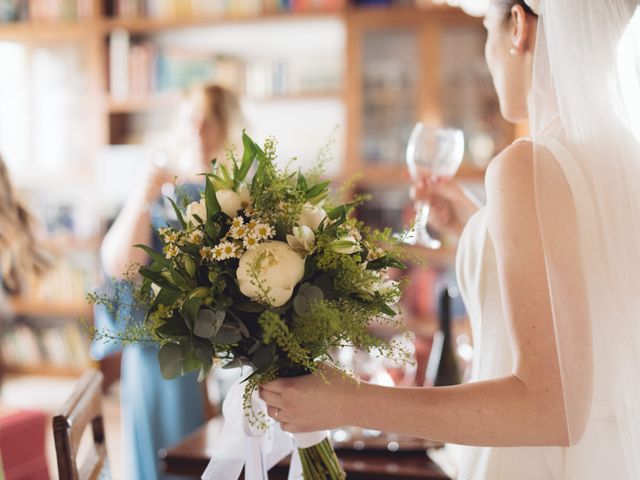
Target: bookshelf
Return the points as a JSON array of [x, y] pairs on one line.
[[377, 110]]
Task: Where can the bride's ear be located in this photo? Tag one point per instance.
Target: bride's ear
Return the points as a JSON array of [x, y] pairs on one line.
[[520, 30]]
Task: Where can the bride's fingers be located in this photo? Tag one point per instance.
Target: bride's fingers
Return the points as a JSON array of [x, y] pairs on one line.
[[272, 399], [275, 386]]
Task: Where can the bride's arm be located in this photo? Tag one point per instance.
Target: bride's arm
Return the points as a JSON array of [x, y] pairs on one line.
[[525, 408]]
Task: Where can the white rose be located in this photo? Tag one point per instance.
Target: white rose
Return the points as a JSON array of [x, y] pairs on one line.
[[303, 240], [196, 208], [279, 270], [312, 216], [230, 202]]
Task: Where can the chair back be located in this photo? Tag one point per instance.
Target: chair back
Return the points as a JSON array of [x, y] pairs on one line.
[[82, 409]]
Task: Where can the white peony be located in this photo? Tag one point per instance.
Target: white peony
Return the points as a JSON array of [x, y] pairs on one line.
[[230, 202], [303, 240], [196, 208], [312, 216], [279, 270]]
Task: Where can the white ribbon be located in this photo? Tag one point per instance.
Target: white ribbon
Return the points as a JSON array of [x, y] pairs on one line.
[[241, 444]]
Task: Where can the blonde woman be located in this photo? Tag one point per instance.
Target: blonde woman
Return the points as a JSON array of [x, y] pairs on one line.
[[158, 413]]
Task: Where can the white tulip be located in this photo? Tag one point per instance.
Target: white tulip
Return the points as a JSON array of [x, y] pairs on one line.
[[346, 244], [312, 216], [303, 240], [230, 202], [196, 208], [245, 196], [278, 269]]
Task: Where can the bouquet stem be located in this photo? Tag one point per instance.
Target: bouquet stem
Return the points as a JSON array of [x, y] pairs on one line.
[[320, 462]]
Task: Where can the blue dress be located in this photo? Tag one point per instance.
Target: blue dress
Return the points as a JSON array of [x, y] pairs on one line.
[[156, 413]]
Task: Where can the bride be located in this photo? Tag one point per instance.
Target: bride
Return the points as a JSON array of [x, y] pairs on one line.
[[549, 268]]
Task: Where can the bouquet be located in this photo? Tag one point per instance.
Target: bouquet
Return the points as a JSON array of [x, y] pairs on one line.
[[264, 272]]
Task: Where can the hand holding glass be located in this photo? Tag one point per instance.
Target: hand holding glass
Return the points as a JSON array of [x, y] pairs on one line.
[[437, 152]]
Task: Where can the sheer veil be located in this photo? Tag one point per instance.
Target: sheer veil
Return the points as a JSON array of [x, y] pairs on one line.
[[585, 109]]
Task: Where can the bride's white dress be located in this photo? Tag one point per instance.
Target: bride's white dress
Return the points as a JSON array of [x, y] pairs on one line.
[[598, 455]]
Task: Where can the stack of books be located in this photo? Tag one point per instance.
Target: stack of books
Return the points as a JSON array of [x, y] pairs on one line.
[[65, 346], [215, 8], [45, 10]]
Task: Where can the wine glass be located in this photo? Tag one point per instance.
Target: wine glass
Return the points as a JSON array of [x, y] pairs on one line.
[[438, 152]]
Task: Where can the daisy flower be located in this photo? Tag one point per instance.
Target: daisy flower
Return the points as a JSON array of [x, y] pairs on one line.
[[207, 253], [239, 232], [229, 250], [169, 236], [170, 251], [196, 237], [250, 242], [237, 222], [263, 231]]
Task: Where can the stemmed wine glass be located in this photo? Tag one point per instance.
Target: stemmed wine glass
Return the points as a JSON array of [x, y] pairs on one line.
[[437, 152]]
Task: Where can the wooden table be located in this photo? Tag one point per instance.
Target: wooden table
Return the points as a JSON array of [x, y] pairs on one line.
[[191, 456]]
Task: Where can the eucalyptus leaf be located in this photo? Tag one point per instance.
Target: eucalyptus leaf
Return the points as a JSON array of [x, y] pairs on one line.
[[249, 307], [301, 305], [208, 322], [174, 327], [227, 335], [175, 361], [263, 358], [190, 310], [314, 294]]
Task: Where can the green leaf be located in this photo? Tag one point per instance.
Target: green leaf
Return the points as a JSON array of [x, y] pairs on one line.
[[200, 292], [175, 327], [227, 335], [155, 277], [264, 357], [248, 157], [387, 310], [302, 182], [301, 305], [155, 256], [385, 262], [174, 361], [190, 310], [189, 266], [210, 201], [310, 267], [249, 307], [208, 322], [213, 231], [317, 189], [178, 213]]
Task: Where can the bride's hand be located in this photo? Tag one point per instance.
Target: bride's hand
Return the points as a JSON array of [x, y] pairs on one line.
[[451, 206], [309, 403]]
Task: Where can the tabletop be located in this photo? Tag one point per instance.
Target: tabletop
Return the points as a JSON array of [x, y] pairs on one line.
[[191, 456]]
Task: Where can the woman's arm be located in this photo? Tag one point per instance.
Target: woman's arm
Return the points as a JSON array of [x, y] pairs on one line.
[[525, 408], [132, 227]]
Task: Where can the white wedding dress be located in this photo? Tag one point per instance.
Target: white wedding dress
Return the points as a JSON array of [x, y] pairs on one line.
[[598, 455]]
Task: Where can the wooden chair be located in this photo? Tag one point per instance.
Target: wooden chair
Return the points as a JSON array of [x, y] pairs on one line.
[[83, 408]]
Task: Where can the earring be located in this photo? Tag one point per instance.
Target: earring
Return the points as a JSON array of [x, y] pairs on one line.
[[513, 52]]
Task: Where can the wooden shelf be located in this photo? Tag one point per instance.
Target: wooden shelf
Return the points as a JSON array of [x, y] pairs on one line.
[[154, 25], [45, 370], [166, 101], [50, 31], [36, 308]]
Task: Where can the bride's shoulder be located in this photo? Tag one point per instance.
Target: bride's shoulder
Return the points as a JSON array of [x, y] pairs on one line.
[[512, 168]]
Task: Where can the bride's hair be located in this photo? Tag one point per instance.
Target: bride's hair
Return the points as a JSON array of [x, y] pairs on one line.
[[21, 258], [507, 5]]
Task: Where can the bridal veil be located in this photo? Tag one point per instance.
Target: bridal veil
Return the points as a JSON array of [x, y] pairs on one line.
[[585, 123]]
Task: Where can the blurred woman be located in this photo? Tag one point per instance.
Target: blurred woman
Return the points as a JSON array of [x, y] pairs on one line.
[[158, 413], [20, 256]]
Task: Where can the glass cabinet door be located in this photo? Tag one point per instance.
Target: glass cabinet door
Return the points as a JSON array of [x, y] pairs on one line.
[[390, 84]]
